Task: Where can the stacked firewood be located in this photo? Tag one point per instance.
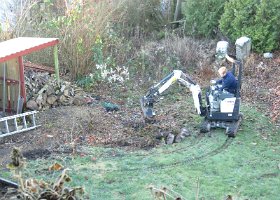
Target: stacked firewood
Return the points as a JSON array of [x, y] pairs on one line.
[[43, 91]]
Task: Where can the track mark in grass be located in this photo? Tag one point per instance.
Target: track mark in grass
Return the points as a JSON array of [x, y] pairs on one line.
[[202, 151]]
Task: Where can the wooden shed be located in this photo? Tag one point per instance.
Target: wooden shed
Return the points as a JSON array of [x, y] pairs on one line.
[[12, 86]]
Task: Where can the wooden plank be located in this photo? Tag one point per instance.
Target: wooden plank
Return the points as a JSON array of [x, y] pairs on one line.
[[38, 67]]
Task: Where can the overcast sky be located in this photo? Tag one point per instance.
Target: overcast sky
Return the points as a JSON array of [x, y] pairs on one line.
[[6, 12]]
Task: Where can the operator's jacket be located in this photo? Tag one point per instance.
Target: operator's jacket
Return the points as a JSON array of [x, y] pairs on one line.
[[228, 82]]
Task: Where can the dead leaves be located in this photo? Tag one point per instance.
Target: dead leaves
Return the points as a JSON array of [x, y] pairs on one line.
[[262, 85], [164, 193], [275, 108], [56, 167], [34, 189]]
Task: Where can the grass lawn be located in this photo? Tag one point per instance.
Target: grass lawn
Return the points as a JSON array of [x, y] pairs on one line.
[[246, 167]]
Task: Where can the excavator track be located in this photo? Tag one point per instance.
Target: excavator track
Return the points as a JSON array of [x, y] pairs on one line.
[[232, 129]]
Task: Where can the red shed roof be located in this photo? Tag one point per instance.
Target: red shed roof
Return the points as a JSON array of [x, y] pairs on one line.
[[22, 46]]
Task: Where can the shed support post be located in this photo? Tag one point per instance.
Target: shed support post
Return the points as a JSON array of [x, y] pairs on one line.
[[56, 65], [4, 87], [21, 78]]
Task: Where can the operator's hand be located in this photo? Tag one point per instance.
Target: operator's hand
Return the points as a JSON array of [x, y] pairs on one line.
[[213, 82]]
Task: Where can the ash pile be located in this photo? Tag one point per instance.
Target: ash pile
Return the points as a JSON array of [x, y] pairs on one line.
[[44, 92]]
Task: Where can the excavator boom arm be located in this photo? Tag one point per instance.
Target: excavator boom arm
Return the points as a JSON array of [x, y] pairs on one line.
[[149, 99]]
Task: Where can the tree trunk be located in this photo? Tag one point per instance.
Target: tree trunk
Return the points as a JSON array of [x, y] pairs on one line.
[[166, 7], [177, 14]]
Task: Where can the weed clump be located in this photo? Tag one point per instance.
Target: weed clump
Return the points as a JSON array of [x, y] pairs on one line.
[[34, 189]]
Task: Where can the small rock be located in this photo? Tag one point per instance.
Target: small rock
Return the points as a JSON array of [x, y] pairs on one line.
[[50, 90], [32, 105], [62, 99], [268, 55], [51, 99], [170, 138], [179, 138], [79, 101], [163, 134], [185, 132], [66, 93]]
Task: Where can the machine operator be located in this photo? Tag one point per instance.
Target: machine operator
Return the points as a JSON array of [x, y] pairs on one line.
[[228, 80]]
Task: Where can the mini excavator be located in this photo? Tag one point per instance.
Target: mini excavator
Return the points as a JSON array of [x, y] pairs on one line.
[[222, 109]]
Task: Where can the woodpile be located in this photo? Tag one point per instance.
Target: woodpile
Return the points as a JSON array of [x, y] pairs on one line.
[[44, 92]]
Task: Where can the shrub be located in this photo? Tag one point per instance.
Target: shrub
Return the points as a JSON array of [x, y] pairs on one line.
[[142, 15], [202, 17], [257, 19]]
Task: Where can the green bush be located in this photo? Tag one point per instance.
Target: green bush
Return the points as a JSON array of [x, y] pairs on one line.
[[202, 17], [257, 19], [143, 15]]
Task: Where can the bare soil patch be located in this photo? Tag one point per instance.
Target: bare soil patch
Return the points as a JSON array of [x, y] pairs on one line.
[[65, 129]]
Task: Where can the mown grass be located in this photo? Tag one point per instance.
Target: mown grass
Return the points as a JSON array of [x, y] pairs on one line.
[[246, 167]]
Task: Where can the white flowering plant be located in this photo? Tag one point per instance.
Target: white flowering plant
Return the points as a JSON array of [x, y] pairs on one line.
[[113, 75]]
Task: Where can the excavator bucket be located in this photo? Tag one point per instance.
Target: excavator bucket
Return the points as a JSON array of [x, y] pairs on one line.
[[147, 110]]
